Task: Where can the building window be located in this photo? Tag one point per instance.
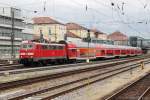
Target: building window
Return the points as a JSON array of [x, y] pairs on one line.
[[40, 30], [3, 11], [49, 31]]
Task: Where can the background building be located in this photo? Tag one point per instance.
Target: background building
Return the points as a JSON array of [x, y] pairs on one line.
[[77, 29], [119, 38], [72, 37], [27, 33], [6, 30], [99, 35], [51, 29]]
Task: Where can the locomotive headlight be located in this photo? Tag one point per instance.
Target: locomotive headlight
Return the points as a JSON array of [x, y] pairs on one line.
[[22, 53], [30, 53]]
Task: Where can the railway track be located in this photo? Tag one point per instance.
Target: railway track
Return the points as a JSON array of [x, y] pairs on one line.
[[145, 95], [138, 90], [75, 79], [7, 61], [16, 69], [7, 67]]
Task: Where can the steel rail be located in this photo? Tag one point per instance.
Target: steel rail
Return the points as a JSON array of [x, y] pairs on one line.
[[125, 88], [11, 67], [82, 82], [27, 70], [144, 93], [135, 65], [4, 69], [73, 70]]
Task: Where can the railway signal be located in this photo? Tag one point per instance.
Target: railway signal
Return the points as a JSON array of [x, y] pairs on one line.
[[142, 65], [88, 40]]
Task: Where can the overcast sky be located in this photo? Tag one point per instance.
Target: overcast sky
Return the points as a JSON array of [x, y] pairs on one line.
[[132, 17]]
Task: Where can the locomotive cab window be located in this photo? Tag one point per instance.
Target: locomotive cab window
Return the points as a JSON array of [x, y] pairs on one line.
[[30, 46], [24, 46], [27, 46]]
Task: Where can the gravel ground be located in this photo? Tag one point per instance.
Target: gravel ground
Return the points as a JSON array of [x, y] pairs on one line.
[[90, 92], [53, 82], [14, 77], [100, 89]]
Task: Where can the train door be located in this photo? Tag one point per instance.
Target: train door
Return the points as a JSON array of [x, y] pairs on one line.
[[72, 53], [38, 51]]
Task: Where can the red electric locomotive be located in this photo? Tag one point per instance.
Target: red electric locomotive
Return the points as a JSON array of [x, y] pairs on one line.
[[33, 52]]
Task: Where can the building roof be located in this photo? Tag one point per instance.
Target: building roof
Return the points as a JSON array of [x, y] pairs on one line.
[[70, 34], [117, 36], [45, 20], [97, 31], [75, 26]]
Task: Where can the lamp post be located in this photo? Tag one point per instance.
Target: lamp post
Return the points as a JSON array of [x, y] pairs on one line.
[[12, 33]]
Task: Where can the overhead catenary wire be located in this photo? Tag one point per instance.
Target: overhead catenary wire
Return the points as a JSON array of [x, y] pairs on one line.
[[147, 20], [122, 8], [92, 9], [118, 8], [128, 24], [122, 21]]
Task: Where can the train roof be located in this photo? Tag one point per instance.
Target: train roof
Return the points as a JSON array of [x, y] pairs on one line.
[[71, 45], [25, 42], [85, 44], [80, 43]]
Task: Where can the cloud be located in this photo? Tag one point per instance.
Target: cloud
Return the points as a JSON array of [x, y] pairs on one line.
[[100, 13]]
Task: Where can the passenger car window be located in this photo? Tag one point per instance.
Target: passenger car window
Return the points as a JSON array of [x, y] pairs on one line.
[[73, 50], [44, 47], [60, 47], [54, 47]]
